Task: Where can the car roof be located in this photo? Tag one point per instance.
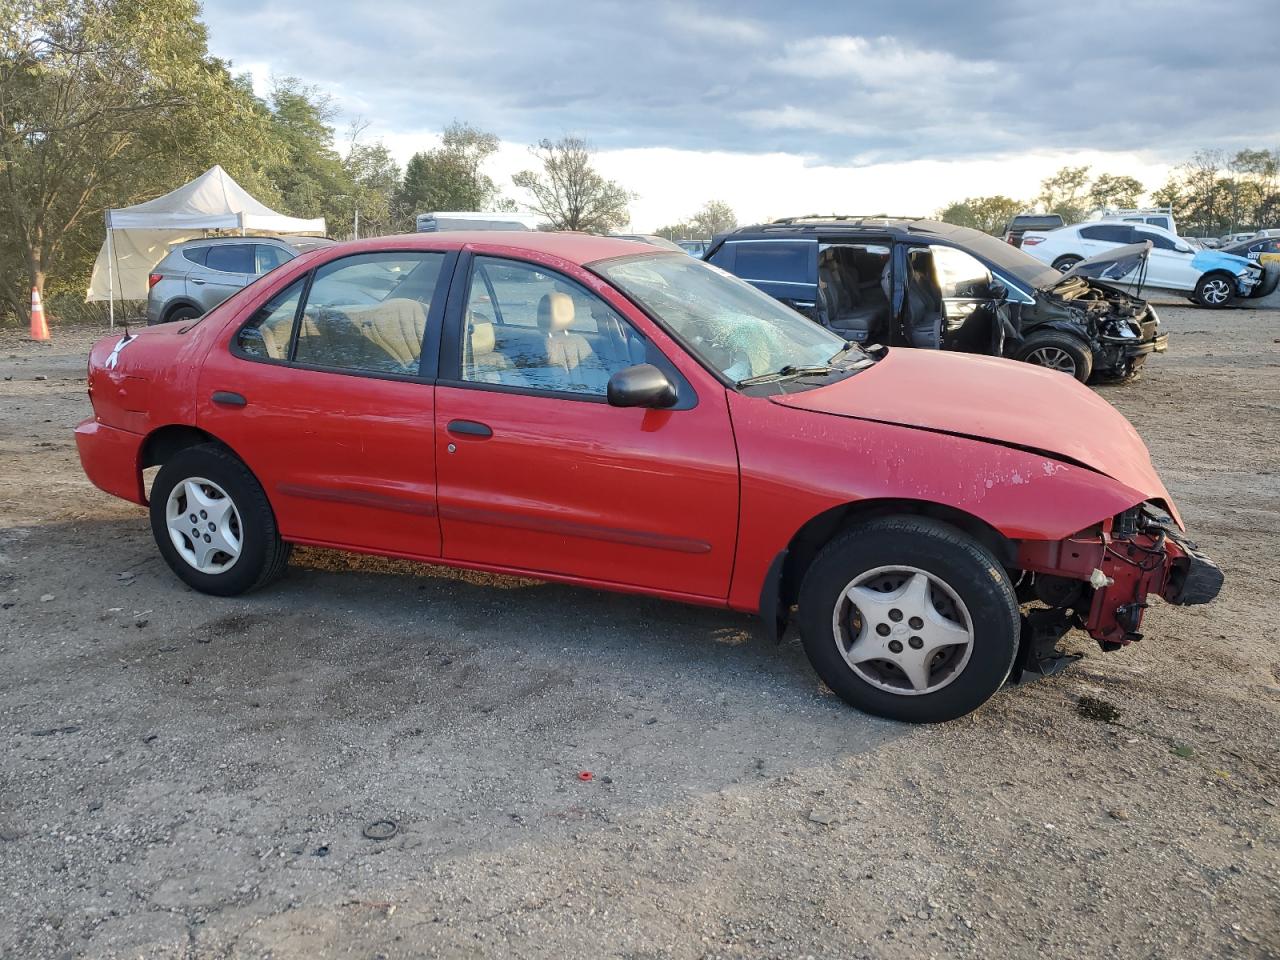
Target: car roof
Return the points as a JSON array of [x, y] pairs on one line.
[[294, 241], [896, 226], [577, 248]]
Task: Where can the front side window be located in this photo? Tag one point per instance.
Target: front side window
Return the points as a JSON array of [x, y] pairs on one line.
[[729, 324], [959, 274], [266, 335], [368, 312], [529, 327], [231, 257]]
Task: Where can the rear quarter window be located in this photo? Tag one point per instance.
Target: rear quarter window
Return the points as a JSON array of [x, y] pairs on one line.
[[196, 254], [785, 262]]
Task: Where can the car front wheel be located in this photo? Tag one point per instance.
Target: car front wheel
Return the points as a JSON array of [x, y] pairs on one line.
[[910, 619], [1058, 351], [213, 524], [1215, 290]]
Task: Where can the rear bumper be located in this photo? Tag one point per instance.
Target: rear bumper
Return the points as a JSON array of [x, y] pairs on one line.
[[110, 459]]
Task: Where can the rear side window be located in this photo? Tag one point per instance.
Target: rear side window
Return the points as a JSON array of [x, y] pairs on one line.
[[196, 254], [776, 262], [231, 257], [1109, 232], [268, 257], [368, 313]]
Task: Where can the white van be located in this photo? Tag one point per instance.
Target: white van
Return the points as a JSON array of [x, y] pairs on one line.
[[1152, 216], [478, 220]]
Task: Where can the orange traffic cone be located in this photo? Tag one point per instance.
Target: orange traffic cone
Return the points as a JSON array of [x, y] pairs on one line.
[[39, 329]]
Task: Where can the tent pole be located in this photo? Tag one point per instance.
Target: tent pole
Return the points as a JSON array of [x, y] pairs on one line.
[[111, 280]]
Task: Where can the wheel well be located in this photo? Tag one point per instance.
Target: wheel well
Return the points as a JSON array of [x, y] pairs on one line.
[[819, 531], [176, 305], [1216, 273], [1066, 256], [165, 442]]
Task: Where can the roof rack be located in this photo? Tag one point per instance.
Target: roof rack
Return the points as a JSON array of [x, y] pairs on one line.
[[837, 217]]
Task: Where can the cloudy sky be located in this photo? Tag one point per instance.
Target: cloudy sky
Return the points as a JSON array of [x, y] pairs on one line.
[[788, 108]]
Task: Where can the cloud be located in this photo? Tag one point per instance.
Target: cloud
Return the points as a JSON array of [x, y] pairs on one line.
[[832, 86]]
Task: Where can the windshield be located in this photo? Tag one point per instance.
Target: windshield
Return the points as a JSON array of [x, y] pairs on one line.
[[728, 323]]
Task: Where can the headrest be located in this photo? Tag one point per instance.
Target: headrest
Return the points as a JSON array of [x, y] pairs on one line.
[[555, 312], [482, 338]]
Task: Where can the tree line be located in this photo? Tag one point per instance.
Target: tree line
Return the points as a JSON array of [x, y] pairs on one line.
[[106, 103], [1211, 194]]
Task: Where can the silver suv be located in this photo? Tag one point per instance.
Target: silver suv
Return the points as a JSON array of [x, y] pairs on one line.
[[196, 276]]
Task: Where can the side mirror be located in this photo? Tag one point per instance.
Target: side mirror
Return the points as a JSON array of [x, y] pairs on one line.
[[642, 385]]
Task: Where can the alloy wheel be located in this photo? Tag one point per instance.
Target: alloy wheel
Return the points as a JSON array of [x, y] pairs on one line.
[[1055, 358], [1215, 291], [903, 630], [204, 525]]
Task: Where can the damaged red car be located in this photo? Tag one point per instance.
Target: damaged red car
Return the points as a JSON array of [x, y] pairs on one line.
[[577, 409]]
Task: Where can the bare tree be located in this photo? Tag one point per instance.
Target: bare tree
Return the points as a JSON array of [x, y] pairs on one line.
[[714, 217], [569, 192]]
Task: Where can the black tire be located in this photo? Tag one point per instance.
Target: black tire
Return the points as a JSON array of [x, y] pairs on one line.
[[943, 552], [263, 555], [1216, 290], [1065, 263], [180, 314], [1055, 350]]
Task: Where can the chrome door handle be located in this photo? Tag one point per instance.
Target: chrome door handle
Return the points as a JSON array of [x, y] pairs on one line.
[[198, 283]]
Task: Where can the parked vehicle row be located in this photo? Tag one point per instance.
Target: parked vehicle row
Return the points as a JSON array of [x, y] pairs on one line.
[[932, 285], [592, 410], [1211, 278]]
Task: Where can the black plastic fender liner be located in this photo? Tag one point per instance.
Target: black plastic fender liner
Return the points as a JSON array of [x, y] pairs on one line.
[[1198, 580], [772, 612], [1270, 280]]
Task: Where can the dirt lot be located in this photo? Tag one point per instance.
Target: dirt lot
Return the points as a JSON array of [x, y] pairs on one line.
[[188, 776]]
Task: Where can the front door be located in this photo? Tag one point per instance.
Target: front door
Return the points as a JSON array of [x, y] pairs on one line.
[[322, 394], [536, 471]]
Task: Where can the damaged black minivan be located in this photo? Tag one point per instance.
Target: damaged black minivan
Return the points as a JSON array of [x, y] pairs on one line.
[[921, 283]]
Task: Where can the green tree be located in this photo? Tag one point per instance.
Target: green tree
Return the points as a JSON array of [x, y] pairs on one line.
[[988, 214], [1066, 193], [373, 177], [309, 176], [569, 192], [450, 176], [101, 101], [714, 217], [1108, 191]]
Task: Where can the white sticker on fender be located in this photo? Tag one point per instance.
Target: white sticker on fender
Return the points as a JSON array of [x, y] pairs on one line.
[[114, 357]]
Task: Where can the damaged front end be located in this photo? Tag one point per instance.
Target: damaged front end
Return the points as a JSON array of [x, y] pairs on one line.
[[1100, 580], [1122, 329]]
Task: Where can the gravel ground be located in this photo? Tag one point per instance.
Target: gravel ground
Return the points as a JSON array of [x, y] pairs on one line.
[[188, 776]]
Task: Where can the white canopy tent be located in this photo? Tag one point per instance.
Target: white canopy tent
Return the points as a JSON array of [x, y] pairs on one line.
[[138, 237]]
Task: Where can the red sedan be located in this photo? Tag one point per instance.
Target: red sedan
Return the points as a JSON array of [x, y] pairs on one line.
[[584, 409]]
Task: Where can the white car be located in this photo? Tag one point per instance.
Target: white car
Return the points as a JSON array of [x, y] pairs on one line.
[[1210, 278]]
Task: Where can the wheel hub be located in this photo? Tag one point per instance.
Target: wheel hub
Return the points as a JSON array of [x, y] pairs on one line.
[[204, 525], [903, 630]]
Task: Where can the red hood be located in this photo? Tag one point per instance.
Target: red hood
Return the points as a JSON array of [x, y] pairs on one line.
[[1002, 401]]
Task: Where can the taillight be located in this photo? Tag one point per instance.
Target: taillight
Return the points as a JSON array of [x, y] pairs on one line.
[[153, 279], [1031, 241]]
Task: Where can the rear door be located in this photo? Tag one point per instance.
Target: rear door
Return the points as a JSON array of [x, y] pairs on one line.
[[227, 267], [786, 269], [326, 392], [1097, 237]]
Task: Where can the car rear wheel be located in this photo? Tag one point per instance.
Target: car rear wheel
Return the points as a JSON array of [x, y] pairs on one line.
[[910, 619], [179, 314], [1215, 290], [1066, 263], [1058, 351], [213, 524]]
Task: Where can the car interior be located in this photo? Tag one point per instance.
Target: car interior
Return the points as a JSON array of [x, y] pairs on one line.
[[525, 329], [853, 290]]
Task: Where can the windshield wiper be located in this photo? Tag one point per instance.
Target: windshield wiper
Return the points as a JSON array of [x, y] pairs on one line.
[[790, 370]]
